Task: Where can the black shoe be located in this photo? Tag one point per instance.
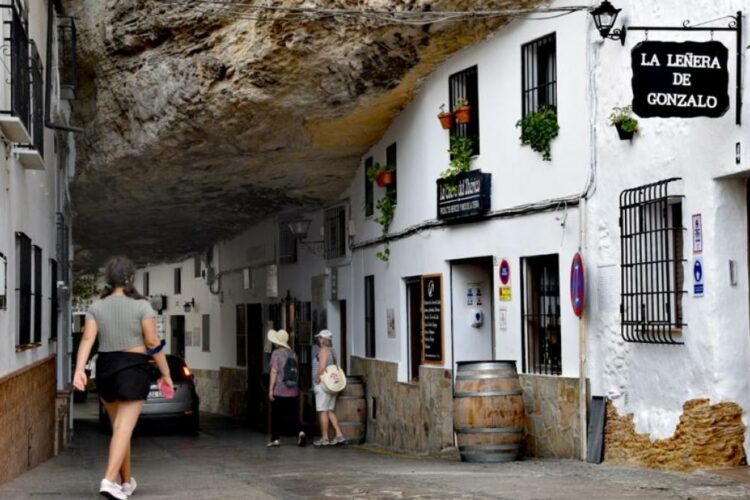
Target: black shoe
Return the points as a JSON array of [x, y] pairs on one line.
[[301, 439]]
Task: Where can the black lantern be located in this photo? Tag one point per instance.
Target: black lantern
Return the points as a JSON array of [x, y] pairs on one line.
[[604, 19]]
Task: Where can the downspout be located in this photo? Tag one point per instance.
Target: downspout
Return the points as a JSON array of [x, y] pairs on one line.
[[48, 72]]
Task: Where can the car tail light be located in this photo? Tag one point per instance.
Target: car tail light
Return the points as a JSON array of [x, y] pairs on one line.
[[186, 371]]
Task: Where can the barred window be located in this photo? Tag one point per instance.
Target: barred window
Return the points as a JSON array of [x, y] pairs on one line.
[[287, 243], [335, 232], [464, 85], [177, 281], [541, 315], [652, 274], [539, 73], [369, 196], [23, 288], [53, 299], [391, 160], [145, 284], [370, 316]]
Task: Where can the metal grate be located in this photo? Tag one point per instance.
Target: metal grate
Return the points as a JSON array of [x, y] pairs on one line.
[[54, 312], [287, 243], [67, 57], [23, 288], [37, 100], [541, 314], [335, 232], [391, 160], [465, 85], [369, 196], [177, 281], [17, 47], [37, 294], [370, 316], [539, 72], [652, 275], [63, 248]]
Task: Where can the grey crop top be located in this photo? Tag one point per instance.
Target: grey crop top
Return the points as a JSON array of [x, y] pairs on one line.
[[118, 320]]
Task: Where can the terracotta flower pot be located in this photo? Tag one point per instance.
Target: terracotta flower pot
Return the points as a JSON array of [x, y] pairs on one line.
[[624, 135], [446, 120], [385, 178], [463, 114]]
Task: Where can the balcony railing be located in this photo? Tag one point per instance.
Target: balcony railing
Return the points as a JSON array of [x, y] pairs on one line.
[[67, 57], [15, 54], [63, 253], [37, 100]]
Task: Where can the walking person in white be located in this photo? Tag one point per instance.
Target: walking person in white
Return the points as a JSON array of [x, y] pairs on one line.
[[324, 355]]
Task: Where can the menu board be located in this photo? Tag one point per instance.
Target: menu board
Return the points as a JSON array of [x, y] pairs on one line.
[[432, 318]]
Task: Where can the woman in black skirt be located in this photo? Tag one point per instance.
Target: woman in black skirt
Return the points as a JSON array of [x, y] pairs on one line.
[[126, 327]]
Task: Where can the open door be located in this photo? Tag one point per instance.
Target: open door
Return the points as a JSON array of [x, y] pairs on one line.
[[250, 322], [177, 324]]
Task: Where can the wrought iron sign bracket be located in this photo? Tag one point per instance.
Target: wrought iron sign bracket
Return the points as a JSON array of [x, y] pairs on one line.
[[734, 24]]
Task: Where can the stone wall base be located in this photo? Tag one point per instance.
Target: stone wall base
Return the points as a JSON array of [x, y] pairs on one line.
[[707, 437], [414, 417], [27, 418], [222, 391], [62, 421]]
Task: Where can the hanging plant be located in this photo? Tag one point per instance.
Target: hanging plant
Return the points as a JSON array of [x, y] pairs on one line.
[[462, 111], [622, 119], [387, 207], [538, 129], [445, 117], [461, 151], [382, 175]]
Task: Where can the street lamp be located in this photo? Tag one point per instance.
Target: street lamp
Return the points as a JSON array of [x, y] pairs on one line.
[[604, 18], [299, 227], [188, 305]]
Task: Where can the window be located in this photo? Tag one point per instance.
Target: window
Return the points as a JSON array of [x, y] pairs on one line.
[[391, 160], [53, 299], [23, 290], [37, 294], [465, 85], [287, 244], [177, 281], [3, 282], [541, 315], [335, 232], [206, 331], [370, 316], [652, 275], [18, 100], [539, 73], [145, 284], [241, 334], [197, 266], [369, 201]]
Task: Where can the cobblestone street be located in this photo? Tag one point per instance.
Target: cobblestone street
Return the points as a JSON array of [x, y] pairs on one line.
[[228, 461]]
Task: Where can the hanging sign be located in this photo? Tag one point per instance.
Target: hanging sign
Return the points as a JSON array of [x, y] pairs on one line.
[[577, 285], [698, 276], [504, 272], [432, 318], [697, 233], [680, 79], [467, 198]]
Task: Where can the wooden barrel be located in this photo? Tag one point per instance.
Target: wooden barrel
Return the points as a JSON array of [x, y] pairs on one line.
[[351, 410], [488, 414]]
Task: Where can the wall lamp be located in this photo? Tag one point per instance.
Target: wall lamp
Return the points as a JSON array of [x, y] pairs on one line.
[[188, 305], [604, 18], [299, 227]]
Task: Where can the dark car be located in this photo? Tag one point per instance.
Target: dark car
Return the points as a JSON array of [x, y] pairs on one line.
[[183, 407]]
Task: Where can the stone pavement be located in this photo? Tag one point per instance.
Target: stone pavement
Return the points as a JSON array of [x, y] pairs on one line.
[[227, 461]]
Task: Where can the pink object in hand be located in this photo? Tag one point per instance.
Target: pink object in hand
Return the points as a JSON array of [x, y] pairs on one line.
[[166, 389]]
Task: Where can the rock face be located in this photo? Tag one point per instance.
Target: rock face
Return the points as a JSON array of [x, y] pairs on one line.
[[199, 120]]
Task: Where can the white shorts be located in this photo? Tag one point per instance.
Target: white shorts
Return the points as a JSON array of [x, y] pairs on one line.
[[323, 400]]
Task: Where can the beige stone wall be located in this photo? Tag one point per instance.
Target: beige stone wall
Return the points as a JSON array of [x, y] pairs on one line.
[[222, 391], [415, 417], [707, 437], [553, 423], [208, 388], [27, 418]]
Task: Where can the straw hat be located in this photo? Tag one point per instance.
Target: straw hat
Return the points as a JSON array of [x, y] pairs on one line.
[[324, 334], [280, 337]]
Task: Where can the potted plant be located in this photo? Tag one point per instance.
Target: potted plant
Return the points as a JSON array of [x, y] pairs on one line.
[[461, 151], [382, 175], [623, 120], [445, 117], [462, 111], [387, 207], [538, 129]]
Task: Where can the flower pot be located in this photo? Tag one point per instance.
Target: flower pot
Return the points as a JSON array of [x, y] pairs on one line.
[[463, 114], [385, 178], [624, 135], [446, 120]]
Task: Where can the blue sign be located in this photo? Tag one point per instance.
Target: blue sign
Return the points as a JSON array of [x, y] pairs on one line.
[[698, 276], [577, 285], [504, 272]]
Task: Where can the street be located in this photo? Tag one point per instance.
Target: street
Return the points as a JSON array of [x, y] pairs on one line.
[[228, 461]]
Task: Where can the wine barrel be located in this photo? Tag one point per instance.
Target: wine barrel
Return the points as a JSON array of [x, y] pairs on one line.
[[351, 410], [488, 413]]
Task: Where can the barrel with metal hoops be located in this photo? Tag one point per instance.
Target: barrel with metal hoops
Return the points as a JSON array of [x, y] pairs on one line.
[[488, 412]]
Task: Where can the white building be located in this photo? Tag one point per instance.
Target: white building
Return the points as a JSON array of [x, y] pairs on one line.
[[668, 349], [36, 163]]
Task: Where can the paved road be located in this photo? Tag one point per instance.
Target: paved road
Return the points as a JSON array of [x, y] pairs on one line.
[[227, 462]]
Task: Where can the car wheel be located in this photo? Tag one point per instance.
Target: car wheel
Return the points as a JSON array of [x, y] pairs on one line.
[[192, 424]]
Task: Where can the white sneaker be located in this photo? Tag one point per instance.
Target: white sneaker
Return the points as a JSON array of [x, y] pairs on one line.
[[111, 490], [129, 487]]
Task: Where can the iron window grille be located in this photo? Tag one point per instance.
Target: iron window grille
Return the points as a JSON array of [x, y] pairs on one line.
[[37, 294], [16, 48], [542, 338], [146, 284], [652, 274], [37, 100], [287, 243], [23, 288], [177, 281], [369, 195], [391, 160], [3, 282], [370, 316], [539, 73], [67, 57], [63, 248], [465, 85], [53, 299], [335, 232]]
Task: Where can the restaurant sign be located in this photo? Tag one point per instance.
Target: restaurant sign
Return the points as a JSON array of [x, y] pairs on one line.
[[465, 197], [680, 79]]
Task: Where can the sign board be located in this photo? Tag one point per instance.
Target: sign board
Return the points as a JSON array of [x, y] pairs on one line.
[[432, 318], [466, 197], [502, 318], [577, 285], [698, 276], [504, 272], [680, 79], [504, 293], [697, 233]]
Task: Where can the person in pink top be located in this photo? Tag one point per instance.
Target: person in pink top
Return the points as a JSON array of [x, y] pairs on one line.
[[283, 389]]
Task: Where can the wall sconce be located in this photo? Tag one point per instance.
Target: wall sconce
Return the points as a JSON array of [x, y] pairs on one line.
[[299, 227], [604, 18], [188, 305]]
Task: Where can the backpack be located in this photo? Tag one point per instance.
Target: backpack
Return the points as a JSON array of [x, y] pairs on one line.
[[291, 371]]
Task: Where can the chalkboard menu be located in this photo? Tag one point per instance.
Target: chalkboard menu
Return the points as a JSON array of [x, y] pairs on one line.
[[432, 318]]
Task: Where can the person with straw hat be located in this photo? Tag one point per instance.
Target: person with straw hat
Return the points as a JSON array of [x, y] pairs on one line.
[[283, 389], [325, 403]]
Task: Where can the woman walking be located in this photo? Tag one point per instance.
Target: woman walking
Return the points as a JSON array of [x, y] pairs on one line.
[[283, 389], [125, 324], [325, 403]]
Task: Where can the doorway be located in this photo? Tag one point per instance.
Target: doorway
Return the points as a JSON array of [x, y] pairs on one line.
[[342, 335], [177, 324], [471, 294], [414, 325], [250, 325]]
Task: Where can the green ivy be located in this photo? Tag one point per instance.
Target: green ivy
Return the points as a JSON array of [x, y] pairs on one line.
[[538, 129], [624, 117], [461, 151], [387, 208]]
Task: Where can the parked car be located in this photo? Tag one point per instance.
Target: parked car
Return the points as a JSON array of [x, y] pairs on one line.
[[183, 407]]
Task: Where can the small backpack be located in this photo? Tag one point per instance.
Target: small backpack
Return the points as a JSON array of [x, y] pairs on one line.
[[291, 371]]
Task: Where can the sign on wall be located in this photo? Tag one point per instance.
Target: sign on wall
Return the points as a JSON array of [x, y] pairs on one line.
[[697, 233], [680, 79], [468, 198], [432, 318], [698, 276]]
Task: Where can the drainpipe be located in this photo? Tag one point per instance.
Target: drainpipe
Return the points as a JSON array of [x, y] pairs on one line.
[[48, 72], [582, 373]]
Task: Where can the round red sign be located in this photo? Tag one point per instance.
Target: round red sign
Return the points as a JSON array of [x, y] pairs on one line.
[[577, 285], [504, 272]]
